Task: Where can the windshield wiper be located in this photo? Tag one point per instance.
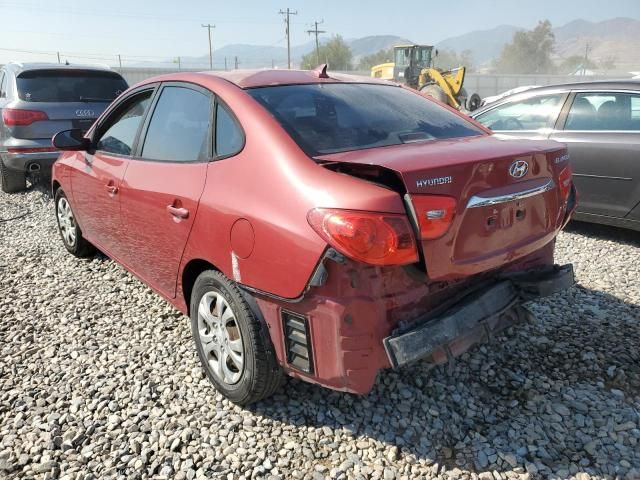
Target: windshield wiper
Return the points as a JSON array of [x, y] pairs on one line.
[[96, 99]]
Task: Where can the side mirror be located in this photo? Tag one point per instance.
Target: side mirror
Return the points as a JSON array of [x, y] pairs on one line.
[[73, 140]]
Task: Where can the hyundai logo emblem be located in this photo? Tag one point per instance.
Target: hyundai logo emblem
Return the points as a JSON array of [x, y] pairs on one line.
[[518, 169]]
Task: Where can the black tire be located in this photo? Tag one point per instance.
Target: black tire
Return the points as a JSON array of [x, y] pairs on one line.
[[260, 375], [473, 102], [79, 247], [12, 180], [436, 92]]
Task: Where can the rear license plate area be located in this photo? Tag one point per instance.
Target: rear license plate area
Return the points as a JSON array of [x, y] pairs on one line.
[[83, 124]]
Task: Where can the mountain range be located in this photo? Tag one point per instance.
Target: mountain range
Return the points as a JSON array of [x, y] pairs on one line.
[[616, 39]]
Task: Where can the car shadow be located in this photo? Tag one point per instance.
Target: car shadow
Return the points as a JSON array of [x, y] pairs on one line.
[[605, 232], [549, 408]]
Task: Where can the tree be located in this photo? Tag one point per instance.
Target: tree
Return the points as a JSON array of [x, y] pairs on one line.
[[448, 59], [381, 56], [529, 51], [335, 53]]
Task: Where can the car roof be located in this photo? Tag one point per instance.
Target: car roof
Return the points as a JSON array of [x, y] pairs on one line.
[[268, 78], [629, 83], [17, 68]]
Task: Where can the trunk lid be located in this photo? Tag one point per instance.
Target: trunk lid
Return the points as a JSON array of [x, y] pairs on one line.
[[497, 216]]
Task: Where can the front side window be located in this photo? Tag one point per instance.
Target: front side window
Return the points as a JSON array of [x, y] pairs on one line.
[[69, 86], [604, 111], [532, 113], [179, 127], [338, 117], [120, 135]]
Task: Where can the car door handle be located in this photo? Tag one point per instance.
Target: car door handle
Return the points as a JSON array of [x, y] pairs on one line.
[[178, 212], [111, 189]]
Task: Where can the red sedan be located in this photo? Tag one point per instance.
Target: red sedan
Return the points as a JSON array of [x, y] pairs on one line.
[[318, 225]]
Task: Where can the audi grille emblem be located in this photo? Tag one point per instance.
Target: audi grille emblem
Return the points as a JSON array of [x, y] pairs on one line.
[[518, 169], [85, 113]]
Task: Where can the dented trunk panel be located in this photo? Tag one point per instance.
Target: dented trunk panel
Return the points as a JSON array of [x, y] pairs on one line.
[[527, 214]]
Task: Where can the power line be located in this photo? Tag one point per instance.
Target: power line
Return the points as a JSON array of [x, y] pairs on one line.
[[288, 32], [208, 26], [317, 32]]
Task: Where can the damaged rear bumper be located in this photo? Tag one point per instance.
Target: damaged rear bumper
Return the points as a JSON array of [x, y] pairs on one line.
[[476, 317]]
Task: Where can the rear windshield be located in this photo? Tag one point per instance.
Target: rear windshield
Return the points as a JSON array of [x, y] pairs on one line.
[[69, 86], [338, 117]]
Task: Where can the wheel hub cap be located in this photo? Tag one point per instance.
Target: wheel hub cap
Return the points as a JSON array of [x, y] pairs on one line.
[[220, 338]]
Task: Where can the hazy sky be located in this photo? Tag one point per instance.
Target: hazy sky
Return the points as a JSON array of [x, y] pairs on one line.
[[99, 30]]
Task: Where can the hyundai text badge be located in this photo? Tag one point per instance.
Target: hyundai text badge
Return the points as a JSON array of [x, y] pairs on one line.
[[518, 169]]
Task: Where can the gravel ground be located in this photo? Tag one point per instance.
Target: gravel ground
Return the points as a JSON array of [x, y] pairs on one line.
[[99, 379]]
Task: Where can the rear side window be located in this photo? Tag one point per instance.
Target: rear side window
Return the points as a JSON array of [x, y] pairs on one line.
[[69, 86], [121, 134], [229, 137], [604, 111], [532, 113], [337, 117], [3, 85], [179, 127]]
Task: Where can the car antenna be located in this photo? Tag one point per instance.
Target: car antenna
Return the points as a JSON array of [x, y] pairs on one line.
[[321, 71]]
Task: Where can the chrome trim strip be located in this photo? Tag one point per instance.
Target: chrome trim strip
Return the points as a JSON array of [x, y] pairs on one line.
[[479, 201], [602, 176]]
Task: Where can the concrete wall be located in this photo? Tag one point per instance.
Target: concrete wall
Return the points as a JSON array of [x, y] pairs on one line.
[[484, 85]]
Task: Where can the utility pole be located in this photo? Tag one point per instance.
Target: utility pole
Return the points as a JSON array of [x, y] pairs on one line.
[[587, 47], [236, 62], [59, 57], [208, 26], [288, 32], [120, 62], [179, 64], [225, 64], [317, 32]]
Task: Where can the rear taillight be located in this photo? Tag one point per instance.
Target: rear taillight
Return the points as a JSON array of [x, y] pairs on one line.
[[564, 180], [374, 238], [14, 117], [435, 214], [31, 149]]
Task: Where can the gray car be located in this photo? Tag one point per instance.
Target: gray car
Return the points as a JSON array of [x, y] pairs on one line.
[[39, 100], [600, 123]]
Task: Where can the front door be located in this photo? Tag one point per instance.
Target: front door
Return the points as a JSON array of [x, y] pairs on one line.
[[163, 184], [602, 131], [97, 175]]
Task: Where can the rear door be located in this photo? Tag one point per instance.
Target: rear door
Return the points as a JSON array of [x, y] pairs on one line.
[[96, 175], [602, 131], [163, 184], [526, 116]]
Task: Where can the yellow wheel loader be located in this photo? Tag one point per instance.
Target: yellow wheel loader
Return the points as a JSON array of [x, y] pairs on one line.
[[413, 66]]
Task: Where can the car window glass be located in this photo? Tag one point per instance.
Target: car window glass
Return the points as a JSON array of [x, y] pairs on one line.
[[119, 137], [3, 85], [179, 127], [229, 138], [528, 114], [69, 86], [338, 117], [604, 111]]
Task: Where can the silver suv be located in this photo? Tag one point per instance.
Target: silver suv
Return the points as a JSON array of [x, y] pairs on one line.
[[39, 100]]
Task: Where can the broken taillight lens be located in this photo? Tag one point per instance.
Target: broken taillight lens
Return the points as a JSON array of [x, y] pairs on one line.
[[374, 238], [434, 213], [564, 180]]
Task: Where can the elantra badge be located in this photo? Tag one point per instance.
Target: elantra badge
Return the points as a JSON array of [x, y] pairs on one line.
[[518, 169]]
